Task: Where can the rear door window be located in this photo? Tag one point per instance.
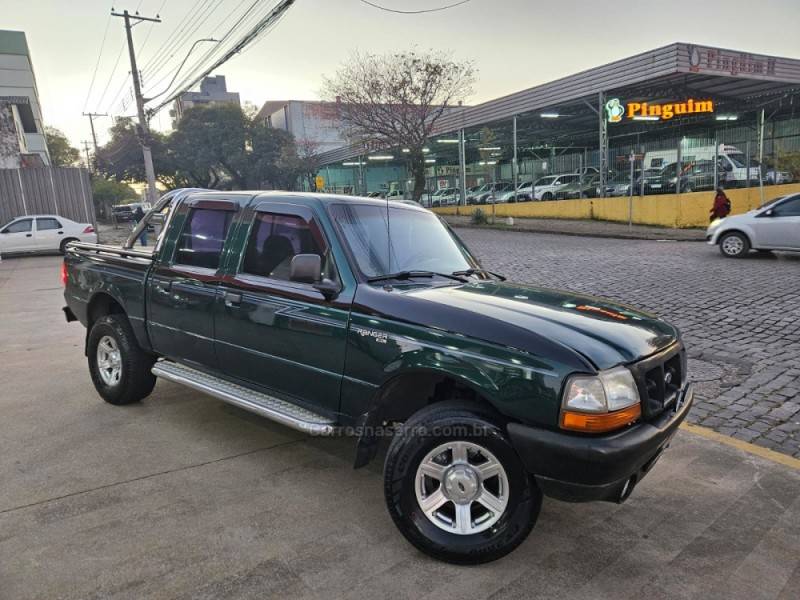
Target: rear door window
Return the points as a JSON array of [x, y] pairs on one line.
[[45, 224], [202, 238]]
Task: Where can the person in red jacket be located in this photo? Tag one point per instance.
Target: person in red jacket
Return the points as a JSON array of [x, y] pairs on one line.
[[722, 205]]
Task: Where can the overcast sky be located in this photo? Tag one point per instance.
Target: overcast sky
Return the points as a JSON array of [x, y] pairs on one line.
[[515, 44]]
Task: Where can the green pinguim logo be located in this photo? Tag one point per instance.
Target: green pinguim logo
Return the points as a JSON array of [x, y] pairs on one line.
[[614, 110]]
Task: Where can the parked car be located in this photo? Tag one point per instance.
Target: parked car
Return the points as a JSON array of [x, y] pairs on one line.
[[445, 197], [493, 191], [774, 226], [773, 177], [695, 177], [472, 192], [43, 233], [126, 212], [494, 393], [654, 181], [545, 188], [620, 184], [588, 186], [521, 194]]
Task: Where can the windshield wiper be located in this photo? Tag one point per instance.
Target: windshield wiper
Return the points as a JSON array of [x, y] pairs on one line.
[[410, 274], [468, 272]]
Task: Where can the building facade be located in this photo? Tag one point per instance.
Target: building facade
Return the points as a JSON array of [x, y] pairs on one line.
[[213, 90], [22, 137], [315, 125]]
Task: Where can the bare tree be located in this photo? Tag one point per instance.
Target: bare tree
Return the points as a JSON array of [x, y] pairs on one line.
[[395, 100]]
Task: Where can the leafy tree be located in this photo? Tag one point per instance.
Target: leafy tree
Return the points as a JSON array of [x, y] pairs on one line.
[[216, 146], [62, 154], [107, 192], [395, 100], [121, 158]]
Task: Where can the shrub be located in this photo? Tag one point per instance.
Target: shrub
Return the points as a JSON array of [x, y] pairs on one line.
[[479, 217]]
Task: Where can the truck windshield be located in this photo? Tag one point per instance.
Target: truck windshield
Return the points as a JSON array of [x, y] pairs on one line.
[[419, 241]]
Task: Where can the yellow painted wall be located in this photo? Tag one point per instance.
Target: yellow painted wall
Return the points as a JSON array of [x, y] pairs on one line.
[[667, 210]]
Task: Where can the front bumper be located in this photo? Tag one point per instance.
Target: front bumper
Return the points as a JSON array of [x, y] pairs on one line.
[[579, 468]]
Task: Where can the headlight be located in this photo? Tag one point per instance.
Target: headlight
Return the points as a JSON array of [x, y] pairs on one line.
[[600, 403]]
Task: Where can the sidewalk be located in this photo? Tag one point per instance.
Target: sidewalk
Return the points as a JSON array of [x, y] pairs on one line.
[[586, 228]]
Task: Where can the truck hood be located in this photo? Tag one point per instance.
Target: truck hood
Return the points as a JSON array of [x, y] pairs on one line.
[[537, 320]]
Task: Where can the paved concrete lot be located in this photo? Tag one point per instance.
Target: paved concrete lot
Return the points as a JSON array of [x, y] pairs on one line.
[[183, 496], [740, 318]]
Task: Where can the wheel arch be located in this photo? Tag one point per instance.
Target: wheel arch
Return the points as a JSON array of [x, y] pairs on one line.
[[102, 303], [740, 230], [406, 393]]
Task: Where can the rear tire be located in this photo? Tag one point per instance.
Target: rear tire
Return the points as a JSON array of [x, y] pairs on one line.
[[547, 196], [734, 245], [63, 246], [459, 442], [120, 369]]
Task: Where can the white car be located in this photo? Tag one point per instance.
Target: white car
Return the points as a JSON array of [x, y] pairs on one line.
[[523, 192], [545, 188], [774, 226], [43, 233]]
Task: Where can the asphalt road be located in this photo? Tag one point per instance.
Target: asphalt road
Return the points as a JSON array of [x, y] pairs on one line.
[[183, 496], [740, 318]]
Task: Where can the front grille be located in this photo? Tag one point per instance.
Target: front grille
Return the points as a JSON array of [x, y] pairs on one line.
[[660, 379]]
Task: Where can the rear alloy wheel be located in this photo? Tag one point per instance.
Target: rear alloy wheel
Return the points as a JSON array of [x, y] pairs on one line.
[[120, 369], [734, 245], [456, 488]]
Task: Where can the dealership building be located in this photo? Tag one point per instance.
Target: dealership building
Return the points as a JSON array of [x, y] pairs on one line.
[[675, 104]]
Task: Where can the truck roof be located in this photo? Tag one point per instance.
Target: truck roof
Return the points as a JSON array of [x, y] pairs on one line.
[[320, 197]]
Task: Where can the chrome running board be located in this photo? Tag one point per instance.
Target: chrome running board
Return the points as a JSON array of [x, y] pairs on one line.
[[278, 410]]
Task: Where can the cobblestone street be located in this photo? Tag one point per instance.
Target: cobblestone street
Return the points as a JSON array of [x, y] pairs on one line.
[[740, 318]]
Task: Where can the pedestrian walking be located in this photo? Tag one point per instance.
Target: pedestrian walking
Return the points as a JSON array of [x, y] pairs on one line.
[[138, 215], [721, 207]]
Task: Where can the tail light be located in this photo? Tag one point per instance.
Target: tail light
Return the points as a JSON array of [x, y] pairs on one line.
[[64, 274], [89, 229]]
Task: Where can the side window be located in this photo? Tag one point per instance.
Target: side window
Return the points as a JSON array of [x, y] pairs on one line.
[[203, 236], [22, 226], [790, 208], [275, 239], [656, 162], [46, 224]]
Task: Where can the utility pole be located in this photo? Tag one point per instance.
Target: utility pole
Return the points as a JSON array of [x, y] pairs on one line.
[[91, 124], [86, 149], [144, 128]]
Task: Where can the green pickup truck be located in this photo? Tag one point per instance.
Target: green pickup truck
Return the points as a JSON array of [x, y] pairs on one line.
[[362, 317]]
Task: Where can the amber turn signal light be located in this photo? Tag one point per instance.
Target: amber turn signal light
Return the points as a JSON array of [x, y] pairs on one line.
[[600, 422]]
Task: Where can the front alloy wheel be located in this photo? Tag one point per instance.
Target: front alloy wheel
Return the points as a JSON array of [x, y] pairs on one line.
[[462, 488], [456, 488], [734, 245]]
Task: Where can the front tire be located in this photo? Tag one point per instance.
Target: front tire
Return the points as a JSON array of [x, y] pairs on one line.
[[734, 245], [120, 369], [456, 488]]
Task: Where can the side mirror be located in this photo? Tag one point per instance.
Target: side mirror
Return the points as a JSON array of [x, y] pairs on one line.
[[305, 268], [728, 167]]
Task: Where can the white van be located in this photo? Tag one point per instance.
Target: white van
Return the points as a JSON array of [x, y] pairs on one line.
[[732, 160]]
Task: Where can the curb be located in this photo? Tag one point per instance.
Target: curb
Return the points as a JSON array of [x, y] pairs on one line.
[[615, 236], [771, 455]]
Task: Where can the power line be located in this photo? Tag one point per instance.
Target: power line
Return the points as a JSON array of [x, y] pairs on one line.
[[111, 76], [414, 12], [182, 32], [260, 28], [152, 25], [248, 16], [157, 68], [97, 64]]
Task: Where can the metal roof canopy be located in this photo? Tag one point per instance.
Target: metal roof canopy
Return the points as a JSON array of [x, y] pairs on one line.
[[737, 82]]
